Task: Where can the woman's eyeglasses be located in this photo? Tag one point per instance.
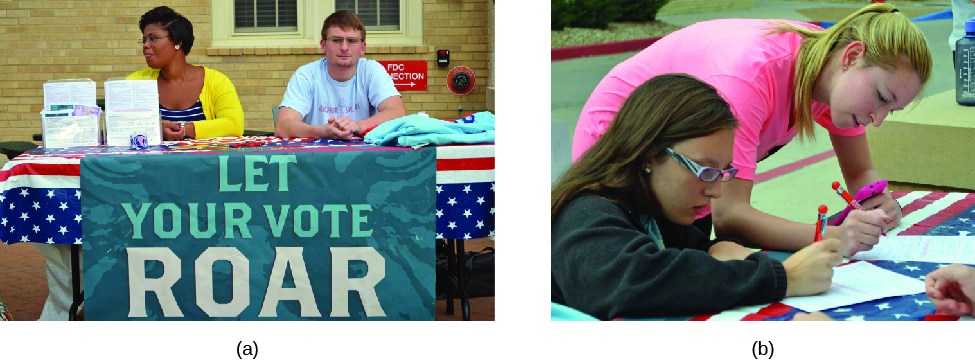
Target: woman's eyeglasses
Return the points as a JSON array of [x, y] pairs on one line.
[[704, 173], [151, 39]]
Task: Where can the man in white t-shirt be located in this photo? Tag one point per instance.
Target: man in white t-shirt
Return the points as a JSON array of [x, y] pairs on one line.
[[342, 94]]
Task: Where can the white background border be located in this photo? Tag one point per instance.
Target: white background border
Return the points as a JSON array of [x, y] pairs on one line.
[[522, 329]]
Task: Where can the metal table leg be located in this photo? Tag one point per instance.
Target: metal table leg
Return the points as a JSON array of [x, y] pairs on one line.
[[461, 276], [451, 271], [75, 282]]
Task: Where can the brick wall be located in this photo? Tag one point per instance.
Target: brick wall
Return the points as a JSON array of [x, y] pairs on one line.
[[677, 7], [490, 90], [47, 40]]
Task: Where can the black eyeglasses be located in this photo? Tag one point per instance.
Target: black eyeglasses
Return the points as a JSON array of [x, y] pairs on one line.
[[707, 174], [353, 41], [151, 39]]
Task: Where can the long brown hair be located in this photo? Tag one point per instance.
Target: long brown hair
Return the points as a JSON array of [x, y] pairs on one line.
[[890, 38], [664, 110]]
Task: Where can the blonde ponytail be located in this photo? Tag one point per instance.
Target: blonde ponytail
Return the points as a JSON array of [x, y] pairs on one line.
[[889, 38]]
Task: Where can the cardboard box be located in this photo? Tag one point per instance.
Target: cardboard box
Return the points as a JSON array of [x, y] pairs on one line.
[[932, 144]]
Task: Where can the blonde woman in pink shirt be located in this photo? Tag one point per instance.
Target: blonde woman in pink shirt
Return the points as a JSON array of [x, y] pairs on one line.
[[782, 78]]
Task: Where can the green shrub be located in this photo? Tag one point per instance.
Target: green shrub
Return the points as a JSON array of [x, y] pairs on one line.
[[599, 13], [641, 10]]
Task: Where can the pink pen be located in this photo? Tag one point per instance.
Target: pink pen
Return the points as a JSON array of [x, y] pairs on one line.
[[849, 200], [846, 196]]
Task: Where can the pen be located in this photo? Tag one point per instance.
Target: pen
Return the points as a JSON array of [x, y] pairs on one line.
[[821, 224], [254, 143], [846, 196], [849, 200]]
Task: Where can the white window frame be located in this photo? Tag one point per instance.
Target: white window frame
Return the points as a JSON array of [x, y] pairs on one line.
[[311, 16]]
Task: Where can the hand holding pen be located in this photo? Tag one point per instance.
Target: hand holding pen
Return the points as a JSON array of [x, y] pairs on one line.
[[885, 202], [852, 202], [846, 196], [810, 270], [820, 224], [861, 231]]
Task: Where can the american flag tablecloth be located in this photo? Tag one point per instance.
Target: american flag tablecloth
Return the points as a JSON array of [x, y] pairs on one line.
[[465, 192], [40, 190], [925, 213]]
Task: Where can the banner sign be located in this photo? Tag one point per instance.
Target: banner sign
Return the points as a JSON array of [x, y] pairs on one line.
[[408, 75], [252, 234]]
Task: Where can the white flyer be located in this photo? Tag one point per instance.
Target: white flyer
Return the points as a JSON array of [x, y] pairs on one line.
[[121, 125], [131, 95], [61, 129], [68, 93]]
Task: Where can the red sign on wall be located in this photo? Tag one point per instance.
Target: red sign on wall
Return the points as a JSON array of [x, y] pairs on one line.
[[408, 75]]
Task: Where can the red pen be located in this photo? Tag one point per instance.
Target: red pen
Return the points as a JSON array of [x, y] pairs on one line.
[[846, 196], [849, 199], [821, 224]]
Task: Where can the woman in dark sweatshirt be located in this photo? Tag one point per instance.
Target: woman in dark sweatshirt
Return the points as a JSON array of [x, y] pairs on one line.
[[622, 240]]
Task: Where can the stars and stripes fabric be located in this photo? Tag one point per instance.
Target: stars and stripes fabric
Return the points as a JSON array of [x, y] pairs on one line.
[[465, 192], [45, 215], [264, 140], [915, 307], [189, 145], [40, 202], [925, 213], [40, 190]]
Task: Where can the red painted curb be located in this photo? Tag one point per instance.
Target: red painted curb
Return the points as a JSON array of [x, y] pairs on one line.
[[787, 168], [572, 52]]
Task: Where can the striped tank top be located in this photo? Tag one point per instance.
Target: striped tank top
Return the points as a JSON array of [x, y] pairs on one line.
[[194, 113]]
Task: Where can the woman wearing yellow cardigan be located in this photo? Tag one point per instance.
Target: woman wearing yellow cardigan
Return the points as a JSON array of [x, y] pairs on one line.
[[194, 101]]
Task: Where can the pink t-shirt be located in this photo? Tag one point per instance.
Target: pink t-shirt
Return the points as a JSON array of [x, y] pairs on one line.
[[752, 72]]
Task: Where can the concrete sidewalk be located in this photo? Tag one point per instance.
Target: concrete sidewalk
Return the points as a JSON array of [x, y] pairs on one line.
[[573, 81]]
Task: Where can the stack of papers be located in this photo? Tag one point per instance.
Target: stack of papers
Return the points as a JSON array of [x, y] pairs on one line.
[[132, 108], [856, 283], [70, 116], [68, 92], [937, 249]]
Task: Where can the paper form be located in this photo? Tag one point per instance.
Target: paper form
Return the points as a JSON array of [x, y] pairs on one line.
[[69, 93], [856, 283], [119, 125], [131, 95], [938, 249], [61, 129]]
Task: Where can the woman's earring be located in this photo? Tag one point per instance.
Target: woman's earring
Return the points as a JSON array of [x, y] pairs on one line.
[[844, 68], [177, 48], [647, 170]]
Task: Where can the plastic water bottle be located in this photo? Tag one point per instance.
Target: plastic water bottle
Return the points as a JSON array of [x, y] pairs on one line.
[[965, 60]]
